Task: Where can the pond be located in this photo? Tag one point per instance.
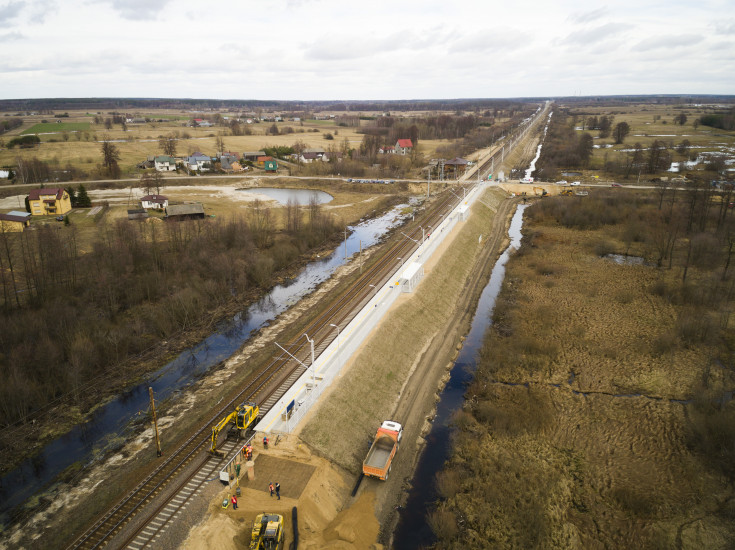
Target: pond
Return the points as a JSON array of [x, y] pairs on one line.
[[302, 197]]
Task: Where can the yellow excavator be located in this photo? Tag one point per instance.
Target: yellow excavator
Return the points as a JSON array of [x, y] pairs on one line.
[[243, 415], [544, 192], [267, 532]]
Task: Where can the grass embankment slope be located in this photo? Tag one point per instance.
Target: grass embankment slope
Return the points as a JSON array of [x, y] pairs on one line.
[[370, 389], [596, 418]]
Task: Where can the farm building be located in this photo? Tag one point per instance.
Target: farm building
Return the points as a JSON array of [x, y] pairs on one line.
[[252, 156], [270, 165], [13, 224], [137, 214], [194, 211]]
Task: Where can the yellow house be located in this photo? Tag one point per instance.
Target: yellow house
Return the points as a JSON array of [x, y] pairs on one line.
[[13, 224], [49, 202]]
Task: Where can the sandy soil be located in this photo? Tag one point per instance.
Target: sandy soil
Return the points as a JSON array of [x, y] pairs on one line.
[[323, 523]]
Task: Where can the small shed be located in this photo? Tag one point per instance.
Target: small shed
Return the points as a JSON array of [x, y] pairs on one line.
[[13, 224], [194, 211], [464, 212], [137, 214], [270, 165], [411, 277]]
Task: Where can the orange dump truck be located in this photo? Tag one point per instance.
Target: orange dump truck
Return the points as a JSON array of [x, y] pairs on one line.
[[383, 449]]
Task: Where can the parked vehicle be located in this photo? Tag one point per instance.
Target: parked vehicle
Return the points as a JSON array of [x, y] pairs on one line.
[[562, 182], [615, 185], [381, 453], [575, 183], [526, 180]]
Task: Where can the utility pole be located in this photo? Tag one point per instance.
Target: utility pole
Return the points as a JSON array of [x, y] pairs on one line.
[[360, 255], [155, 423], [428, 186], [345, 243]]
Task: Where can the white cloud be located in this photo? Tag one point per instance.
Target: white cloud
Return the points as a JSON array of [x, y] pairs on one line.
[[10, 10], [315, 49], [13, 35], [143, 9], [596, 34], [725, 27], [669, 41], [587, 16]]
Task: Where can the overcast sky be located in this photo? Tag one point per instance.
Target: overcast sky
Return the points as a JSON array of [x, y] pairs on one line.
[[343, 49]]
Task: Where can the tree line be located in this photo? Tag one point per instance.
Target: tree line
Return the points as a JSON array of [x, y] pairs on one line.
[[72, 311]]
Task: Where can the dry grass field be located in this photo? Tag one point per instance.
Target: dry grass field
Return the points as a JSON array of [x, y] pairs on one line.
[[597, 419], [140, 141], [649, 123]]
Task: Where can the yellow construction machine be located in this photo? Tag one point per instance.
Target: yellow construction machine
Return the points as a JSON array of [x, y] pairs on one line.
[[243, 415], [567, 192], [544, 192], [267, 532]]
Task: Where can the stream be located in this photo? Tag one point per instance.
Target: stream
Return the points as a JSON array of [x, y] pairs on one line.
[[413, 531], [114, 423]]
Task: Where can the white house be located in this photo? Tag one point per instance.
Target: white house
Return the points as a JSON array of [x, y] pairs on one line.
[[154, 201], [164, 164], [404, 146], [199, 161]]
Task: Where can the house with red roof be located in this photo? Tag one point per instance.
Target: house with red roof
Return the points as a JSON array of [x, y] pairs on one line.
[[404, 146], [49, 202]]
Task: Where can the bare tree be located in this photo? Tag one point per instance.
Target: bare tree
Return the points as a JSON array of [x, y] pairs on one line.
[[622, 129], [167, 144], [110, 156], [220, 143]]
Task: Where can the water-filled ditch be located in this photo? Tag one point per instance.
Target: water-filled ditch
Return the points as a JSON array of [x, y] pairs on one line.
[[113, 423], [413, 531]]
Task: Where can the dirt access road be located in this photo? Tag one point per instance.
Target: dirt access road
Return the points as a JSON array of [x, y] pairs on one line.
[[396, 374]]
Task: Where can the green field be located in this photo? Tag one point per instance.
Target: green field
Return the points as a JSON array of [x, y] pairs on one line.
[[47, 127]]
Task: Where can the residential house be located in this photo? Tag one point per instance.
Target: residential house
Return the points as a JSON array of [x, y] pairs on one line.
[[164, 163], [199, 161], [13, 224], [270, 165], [307, 158], [332, 156], [177, 212], [262, 160], [387, 150], [404, 146], [154, 201], [229, 164], [49, 202], [316, 150]]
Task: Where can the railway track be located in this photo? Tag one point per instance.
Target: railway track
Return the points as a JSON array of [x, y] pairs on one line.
[[183, 472], [265, 386]]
